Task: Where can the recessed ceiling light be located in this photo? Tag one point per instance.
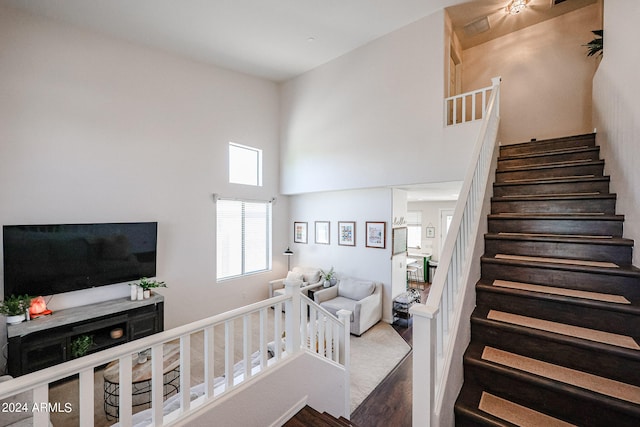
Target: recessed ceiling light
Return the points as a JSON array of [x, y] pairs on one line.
[[311, 39]]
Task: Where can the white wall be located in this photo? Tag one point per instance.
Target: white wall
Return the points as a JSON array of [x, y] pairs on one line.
[[373, 117], [431, 215], [616, 111], [355, 261], [546, 76], [98, 130]]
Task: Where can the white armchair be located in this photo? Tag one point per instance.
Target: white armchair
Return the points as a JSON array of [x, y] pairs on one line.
[[362, 297], [311, 279]]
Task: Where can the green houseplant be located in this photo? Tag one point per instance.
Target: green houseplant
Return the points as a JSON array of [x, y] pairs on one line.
[[329, 277], [595, 46], [15, 307], [147, 284], [81, 345]]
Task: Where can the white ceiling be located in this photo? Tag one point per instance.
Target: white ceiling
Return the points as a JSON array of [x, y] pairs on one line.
[[266, 38], [280, 39]]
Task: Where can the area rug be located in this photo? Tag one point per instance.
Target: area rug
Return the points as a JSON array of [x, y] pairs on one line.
[[373, 357]]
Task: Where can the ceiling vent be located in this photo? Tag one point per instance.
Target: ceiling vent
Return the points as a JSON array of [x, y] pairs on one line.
[[478, 26]]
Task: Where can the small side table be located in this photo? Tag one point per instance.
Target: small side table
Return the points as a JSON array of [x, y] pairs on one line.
[[401, 305]]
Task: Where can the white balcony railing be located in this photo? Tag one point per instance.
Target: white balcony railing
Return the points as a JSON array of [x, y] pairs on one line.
[[301, 321], [467, 107], [436, 322]]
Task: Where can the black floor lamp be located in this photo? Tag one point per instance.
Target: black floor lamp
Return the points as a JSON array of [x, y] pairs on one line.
[[288, 253]]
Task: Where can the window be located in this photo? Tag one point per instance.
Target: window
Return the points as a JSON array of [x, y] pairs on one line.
[[245, 165], [243, 237], [414, 229]]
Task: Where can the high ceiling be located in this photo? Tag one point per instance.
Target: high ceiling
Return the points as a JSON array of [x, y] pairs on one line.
[[500, 22], [277, 39], [274, 39]]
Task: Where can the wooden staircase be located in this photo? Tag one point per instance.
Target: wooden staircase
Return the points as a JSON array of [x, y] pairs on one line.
[[555, 331], [309, 417]]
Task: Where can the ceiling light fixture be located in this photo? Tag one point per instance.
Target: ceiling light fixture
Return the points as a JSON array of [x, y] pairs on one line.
[[516, 6]]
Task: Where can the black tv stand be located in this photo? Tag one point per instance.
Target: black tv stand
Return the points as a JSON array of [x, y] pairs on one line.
[[46, 341]]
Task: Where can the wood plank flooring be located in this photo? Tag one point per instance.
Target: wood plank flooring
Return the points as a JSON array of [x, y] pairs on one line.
[[390, 404]]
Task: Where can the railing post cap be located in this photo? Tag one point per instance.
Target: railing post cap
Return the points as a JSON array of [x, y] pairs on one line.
[[422, 310], [496, 80]]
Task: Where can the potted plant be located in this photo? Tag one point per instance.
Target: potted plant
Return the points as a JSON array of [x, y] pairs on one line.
[[80, 346], [148, 284], [594, 47], [329, 278], [15, 307]]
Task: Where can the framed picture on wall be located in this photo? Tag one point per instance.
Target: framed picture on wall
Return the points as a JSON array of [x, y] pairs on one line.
[[347, 233], [300, 232], [431, 232], [322, 232], [376, 234]]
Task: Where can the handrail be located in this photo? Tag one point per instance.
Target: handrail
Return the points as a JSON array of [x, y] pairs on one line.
[[295, 325], [435, 322], [456, 107]]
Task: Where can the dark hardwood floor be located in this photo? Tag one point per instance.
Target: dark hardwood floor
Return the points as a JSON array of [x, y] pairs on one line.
[[390, 403]]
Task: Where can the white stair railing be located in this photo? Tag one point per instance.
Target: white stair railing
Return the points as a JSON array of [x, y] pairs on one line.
[[435, 323], [332, 339], [467, 107]]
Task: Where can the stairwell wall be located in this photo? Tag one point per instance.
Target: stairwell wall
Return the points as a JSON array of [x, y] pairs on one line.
[[616, 111], [546, 76]]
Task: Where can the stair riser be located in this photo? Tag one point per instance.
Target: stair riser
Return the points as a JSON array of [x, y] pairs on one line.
[[590, 155], [569, 314], [548, 145], [586, 227], [558, 352], [589, 205], [577, 408], [600, 186], [629, 286], [583, 251], [595, 170], [468, 419]]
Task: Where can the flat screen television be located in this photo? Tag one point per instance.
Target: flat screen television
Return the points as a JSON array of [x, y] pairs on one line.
[[55, 258]]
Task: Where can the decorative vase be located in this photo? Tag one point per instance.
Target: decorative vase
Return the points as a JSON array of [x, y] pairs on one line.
[[327, 283], [147, 294], [142, 357], [134, 292], [333, 281], [14, 320], [140, 293]]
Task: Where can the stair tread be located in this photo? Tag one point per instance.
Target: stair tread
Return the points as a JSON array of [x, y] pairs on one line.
[[554, 164], [571, 150], [550, 165], [565, 329], [547, 180], [553, 180], [520, 196], [551, 197], [517, 414], [561, 238], [601, 385], [575, 293], [590, 136], [564, 261], [581, 216]]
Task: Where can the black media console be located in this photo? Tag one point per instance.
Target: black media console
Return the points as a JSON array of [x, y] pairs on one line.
[[46, 341]]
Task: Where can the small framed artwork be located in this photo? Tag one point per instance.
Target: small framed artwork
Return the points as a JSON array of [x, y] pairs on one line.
[[376, 234], [431, 232], [300, 232], [347, 233], [322, 232]]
